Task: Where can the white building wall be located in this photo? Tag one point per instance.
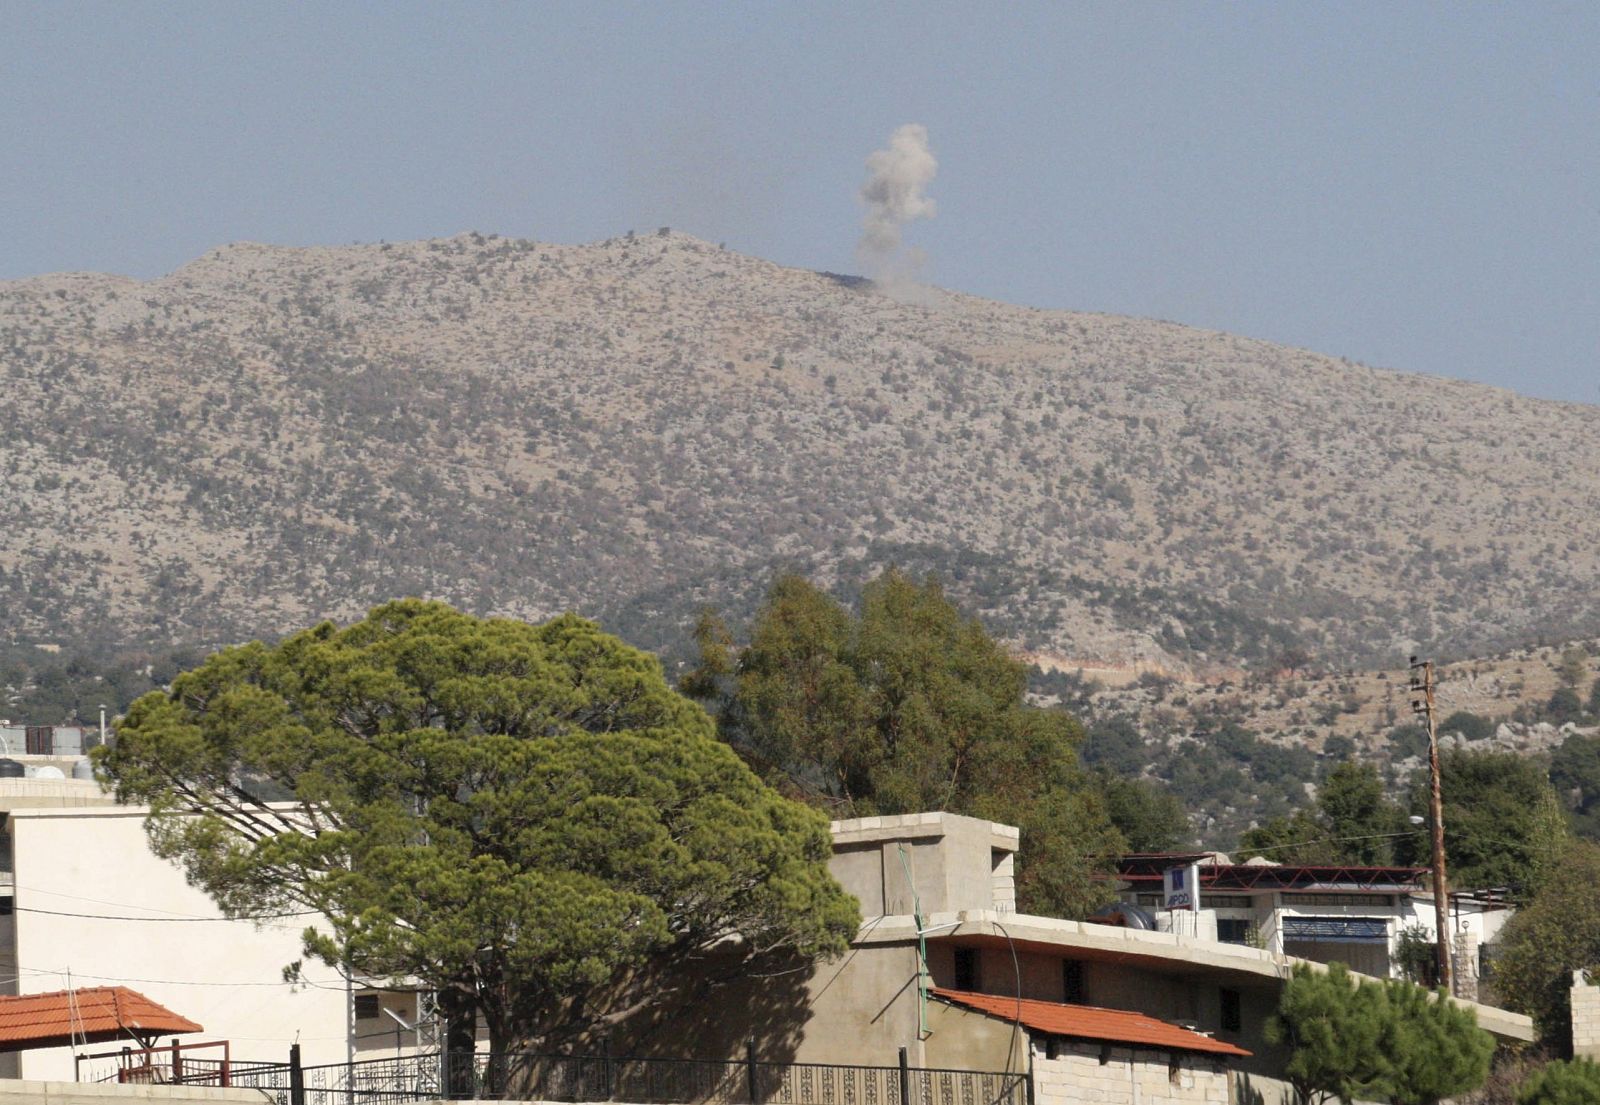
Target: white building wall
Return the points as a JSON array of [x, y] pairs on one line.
[[78, 870]]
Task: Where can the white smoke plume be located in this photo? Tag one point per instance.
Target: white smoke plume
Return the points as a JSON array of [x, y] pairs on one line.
[[893, 195]]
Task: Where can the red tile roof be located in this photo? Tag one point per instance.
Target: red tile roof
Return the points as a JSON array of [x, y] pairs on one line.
[[1088, 1022], [95, 1014]]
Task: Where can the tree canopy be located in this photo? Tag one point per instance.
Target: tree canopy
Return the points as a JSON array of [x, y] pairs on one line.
[[908, 706], [1352, 821], [1149, 817], [1575, 773], [522, 817], [1562, 1083], [1333, 1029], [1555, 934], [1376, 1041], [1503, 825]]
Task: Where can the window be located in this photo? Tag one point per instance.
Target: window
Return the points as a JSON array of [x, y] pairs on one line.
[[1294, 901], [366, 1007], [967, 977], [1232, 1016], [1343, 930], [1233, 930], [1487, 954], [1072, 981]]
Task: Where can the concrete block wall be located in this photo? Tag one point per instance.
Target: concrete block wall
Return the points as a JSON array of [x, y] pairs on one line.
[[1127, 1076], [942, 861], [1585, 1017], [1004, 880]]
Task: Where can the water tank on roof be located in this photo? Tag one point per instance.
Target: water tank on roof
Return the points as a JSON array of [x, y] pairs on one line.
[[48, 772], [11, 769], [1125, 915], [83, 769]]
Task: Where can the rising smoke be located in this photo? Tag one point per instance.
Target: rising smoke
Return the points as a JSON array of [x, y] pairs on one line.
[[893, 195]]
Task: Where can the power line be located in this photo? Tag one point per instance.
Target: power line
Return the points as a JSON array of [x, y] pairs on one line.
[[100, 901], [179, 920], [1334, 840], [176, 982]]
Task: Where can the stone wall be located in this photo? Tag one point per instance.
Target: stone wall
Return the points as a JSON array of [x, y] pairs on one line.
[[1585, 1017], [1084, 1072]]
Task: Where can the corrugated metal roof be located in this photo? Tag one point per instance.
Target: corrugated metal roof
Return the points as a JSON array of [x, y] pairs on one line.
[[95, 1014], [1088, 1022]]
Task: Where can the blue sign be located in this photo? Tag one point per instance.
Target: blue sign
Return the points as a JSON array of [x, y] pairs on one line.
[[1180, 887]]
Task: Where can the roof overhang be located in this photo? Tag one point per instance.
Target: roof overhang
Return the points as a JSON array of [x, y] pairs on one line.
[[1088, 1022], [1178, 956], [97, 1014]]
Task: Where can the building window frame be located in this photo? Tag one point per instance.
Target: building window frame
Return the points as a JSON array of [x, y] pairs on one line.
[[968, 970], [1073, 988], [1230, 1010]]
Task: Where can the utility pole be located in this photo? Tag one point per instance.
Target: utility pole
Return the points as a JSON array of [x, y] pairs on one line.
[[1422, 682]]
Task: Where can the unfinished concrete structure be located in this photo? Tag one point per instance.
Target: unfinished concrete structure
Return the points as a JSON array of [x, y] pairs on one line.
[[940, 927]]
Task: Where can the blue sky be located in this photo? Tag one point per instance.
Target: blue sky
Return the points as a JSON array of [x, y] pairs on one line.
[[1413, 186]]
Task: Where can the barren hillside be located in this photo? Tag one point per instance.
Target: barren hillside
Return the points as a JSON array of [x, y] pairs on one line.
[[634, 427]]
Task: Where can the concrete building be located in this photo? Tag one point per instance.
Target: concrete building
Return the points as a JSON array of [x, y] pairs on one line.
[[1326, 913], [943, 967], [43, 740], [941, 887], [86, 903]]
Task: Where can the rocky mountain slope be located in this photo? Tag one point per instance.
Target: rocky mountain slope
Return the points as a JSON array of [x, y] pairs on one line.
[[635, 427]]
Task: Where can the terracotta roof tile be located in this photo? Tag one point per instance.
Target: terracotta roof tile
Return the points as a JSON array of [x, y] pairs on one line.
[[96, 1013], [1089, 1022]]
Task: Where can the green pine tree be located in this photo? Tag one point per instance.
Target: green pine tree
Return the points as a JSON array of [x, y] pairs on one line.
[[1562, 1083], [910, 706], [1362, 1040], [526, 819]]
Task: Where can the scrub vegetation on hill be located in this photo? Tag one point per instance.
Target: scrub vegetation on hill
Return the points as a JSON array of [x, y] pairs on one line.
[[634, 428]]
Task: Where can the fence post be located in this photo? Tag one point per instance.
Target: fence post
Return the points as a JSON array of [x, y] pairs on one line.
[[297, 1077], [905, 1078], [1030, 1069], [177, 1064], [750, 1070]]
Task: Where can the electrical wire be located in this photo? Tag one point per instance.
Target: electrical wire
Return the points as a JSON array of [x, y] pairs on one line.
[[178, 982], [17, 887], [1334, 840], [1016, 967], [180, 920]]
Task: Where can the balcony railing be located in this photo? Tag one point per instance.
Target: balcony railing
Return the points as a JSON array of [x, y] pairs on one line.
[[596, 1078]]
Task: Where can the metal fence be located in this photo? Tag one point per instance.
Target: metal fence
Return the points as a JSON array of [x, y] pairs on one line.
[[369, 1082], [728, 1082], [174, 1065], [595, 1078]]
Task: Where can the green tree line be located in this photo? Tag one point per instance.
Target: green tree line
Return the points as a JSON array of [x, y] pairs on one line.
[[907, 705]]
